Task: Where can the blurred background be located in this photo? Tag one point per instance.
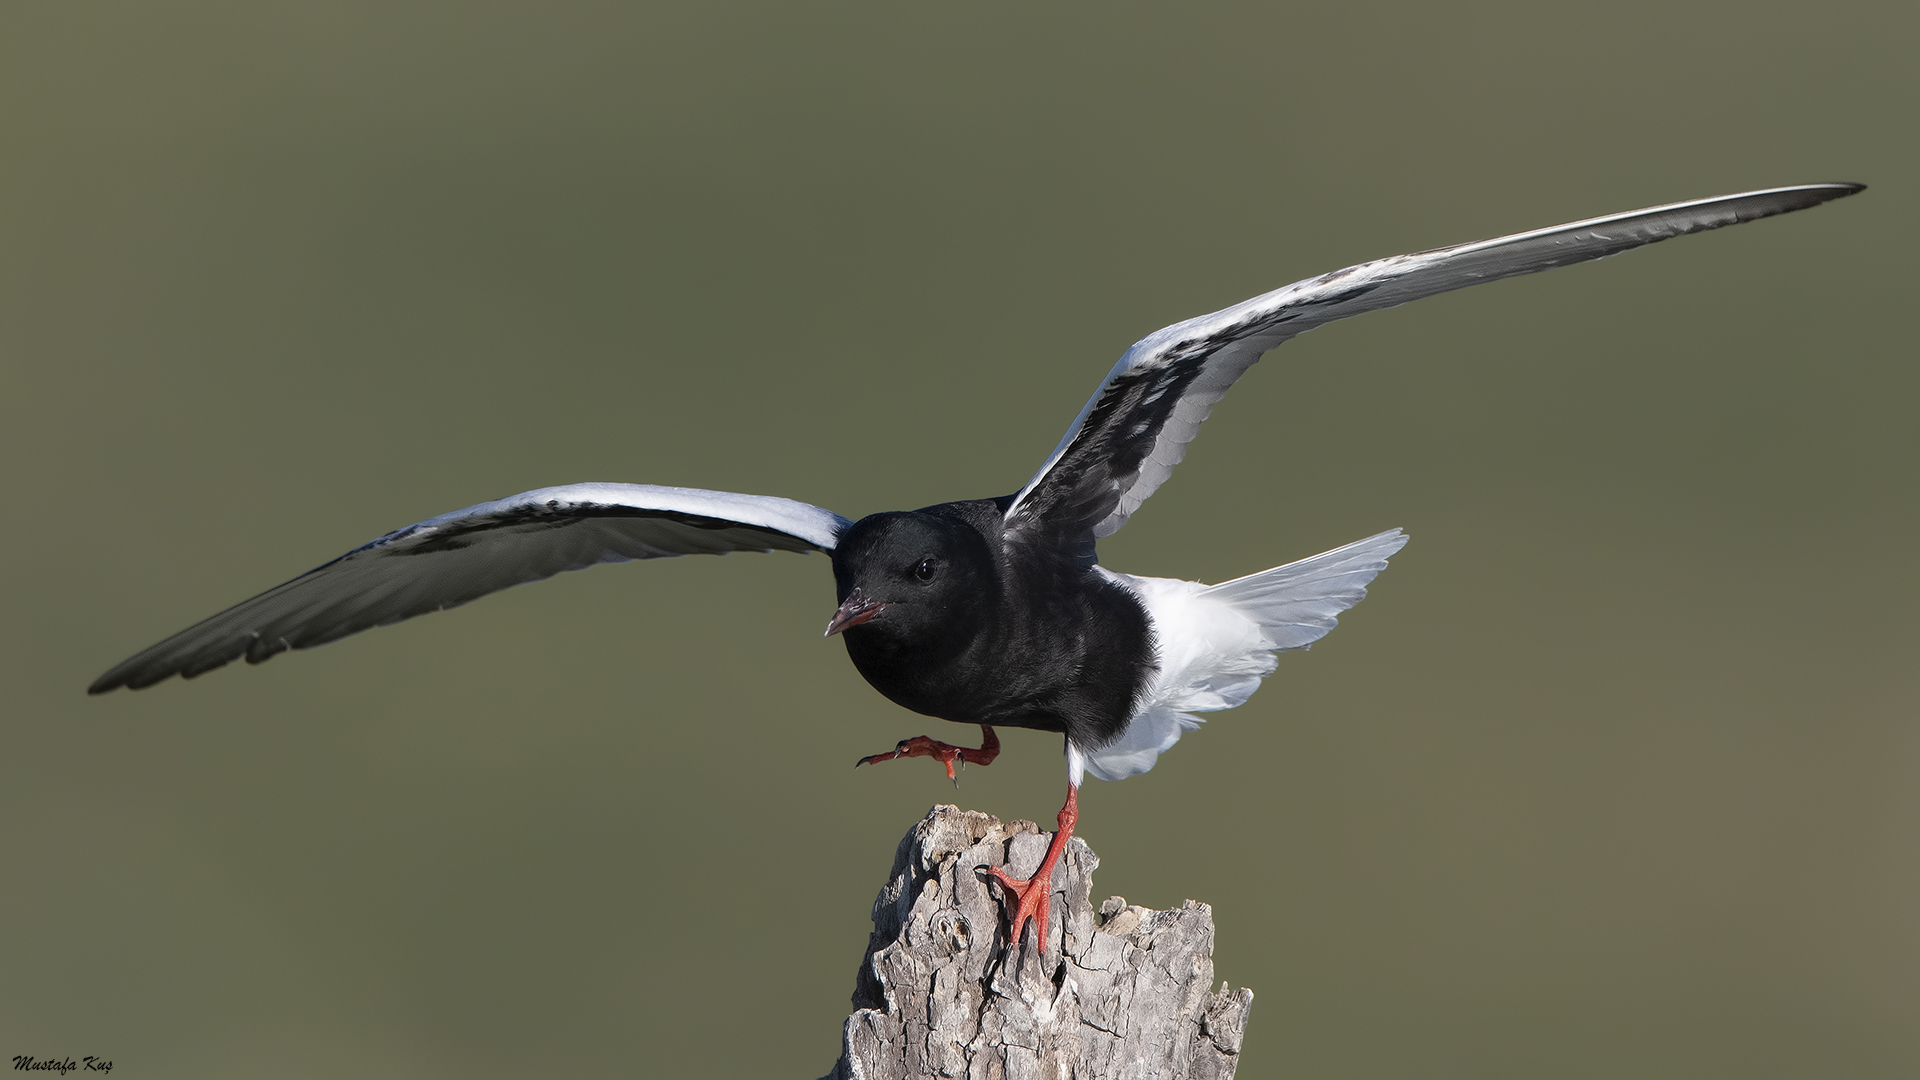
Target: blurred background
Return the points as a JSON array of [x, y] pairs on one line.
[[1616, 772]]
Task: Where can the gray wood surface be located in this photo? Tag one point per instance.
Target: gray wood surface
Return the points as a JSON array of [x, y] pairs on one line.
[[1122, 993]]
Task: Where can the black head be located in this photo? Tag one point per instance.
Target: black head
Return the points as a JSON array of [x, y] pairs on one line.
[[911, 580]]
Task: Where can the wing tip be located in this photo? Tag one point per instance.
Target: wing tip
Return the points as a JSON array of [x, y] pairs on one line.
[[129, 677], [1786, 200], [123, 677], [134, 675], [1828, 191]]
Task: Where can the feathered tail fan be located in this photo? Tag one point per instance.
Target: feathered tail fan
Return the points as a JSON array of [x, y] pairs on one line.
[[1218, 641]]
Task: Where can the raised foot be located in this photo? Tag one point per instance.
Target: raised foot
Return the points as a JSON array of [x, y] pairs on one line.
[[944, 753]]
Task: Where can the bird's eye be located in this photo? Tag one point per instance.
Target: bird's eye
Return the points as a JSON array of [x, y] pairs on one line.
[[925, 570]]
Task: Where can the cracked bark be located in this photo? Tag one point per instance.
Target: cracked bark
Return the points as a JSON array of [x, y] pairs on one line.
[[1121, 994]]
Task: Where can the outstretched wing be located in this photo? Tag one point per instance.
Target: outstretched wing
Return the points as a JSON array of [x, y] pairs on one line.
[[1136, 427], [448, 560]]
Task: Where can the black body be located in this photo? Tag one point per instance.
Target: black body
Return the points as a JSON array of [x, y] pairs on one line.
[[982, 628]]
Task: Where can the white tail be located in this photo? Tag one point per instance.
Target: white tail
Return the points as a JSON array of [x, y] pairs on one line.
[[1216, 642], [1298, 603]]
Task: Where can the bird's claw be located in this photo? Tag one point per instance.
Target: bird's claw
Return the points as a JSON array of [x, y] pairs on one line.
[[945, 753], [1026, 901]]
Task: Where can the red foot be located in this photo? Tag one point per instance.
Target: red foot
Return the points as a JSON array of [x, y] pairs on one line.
[[921, 746], [1034, 896]]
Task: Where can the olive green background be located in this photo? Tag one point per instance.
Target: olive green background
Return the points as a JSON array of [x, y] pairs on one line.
[[1616, 773]]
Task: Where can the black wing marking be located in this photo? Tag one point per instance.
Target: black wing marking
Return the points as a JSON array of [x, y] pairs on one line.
[[1135, 428], [448, 560]]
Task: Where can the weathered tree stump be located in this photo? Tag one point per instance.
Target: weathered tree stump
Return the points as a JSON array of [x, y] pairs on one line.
[[1121, 992]]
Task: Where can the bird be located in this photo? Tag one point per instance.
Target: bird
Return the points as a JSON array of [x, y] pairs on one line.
[[991, 611]]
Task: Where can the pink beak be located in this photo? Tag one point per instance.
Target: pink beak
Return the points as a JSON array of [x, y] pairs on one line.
[[856, 610]]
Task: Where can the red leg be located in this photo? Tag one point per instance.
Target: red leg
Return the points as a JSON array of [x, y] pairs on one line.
[[946, 754], [1033, 895]]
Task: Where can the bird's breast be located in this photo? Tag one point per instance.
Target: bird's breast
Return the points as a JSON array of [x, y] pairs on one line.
[[1073, 661]]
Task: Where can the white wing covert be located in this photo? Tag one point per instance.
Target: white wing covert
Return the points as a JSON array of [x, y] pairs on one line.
[[445, 561], [1136, 427]]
